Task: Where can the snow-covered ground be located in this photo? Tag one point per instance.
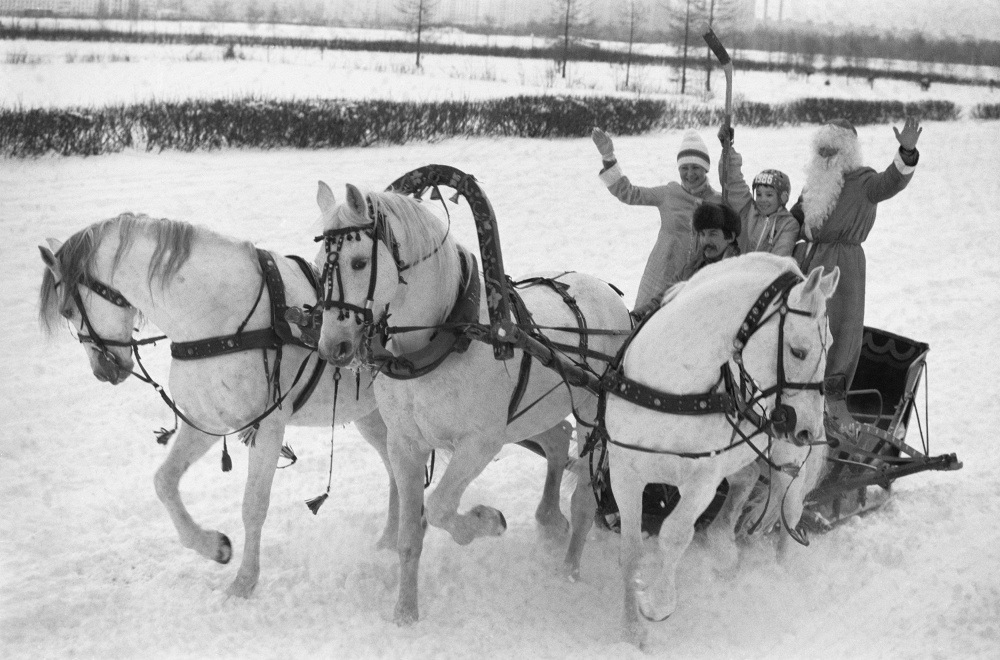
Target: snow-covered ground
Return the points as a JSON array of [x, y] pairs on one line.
[[84, 74], [90, 566]]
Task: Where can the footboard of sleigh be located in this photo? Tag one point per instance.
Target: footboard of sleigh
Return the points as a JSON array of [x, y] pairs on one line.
[[884, 401]]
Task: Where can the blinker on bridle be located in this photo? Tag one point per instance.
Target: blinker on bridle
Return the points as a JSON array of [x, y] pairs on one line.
[[783, 418], [333, 240], [113, 296]]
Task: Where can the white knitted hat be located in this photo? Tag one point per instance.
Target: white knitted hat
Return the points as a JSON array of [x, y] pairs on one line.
[[693, 151]]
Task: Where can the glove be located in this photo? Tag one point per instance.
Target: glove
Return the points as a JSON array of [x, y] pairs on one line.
[[726, 136], [604, 144]]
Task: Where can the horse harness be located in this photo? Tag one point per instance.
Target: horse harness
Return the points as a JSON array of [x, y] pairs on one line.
[[735, 401], [273, 337]]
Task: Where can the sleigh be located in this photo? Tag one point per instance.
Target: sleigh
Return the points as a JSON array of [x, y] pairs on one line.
[[862, 465], [885, 401]]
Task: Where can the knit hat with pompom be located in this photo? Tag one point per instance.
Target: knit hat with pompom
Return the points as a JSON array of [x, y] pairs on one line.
[[693, 151]]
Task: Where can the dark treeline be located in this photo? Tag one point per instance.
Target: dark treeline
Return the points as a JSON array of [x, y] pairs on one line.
[[323, 124], [808, 62]]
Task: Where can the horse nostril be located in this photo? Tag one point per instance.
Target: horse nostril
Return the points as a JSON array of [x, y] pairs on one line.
[[803, 437]]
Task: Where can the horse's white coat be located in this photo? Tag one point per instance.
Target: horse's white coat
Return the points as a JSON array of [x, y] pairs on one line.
[[460, 407], [211, 295], [680, 350]]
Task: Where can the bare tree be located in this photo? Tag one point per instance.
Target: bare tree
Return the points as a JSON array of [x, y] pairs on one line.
[[220, 10], [254, 12], [634, 15], [418, 14], [687, 20], [570, 15]]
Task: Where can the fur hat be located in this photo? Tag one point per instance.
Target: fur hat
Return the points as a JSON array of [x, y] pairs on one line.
[[775, 179], [693, 151], [716, 216], [840, 122]]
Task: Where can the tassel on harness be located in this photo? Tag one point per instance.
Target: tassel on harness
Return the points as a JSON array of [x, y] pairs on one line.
[[315, 503], [227, 462]]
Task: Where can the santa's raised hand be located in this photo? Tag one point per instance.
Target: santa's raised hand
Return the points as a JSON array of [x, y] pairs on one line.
[[910, 133]]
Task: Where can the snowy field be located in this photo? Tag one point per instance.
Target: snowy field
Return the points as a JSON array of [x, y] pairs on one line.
[[86, 74], [90, 566]]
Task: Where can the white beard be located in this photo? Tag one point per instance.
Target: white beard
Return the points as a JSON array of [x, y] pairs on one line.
[[825, 176], [824, 181]]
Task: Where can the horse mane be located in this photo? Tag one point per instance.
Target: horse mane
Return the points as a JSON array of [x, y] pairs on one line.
[[752, 270], [712, 290], [173, 240], [419, 232]]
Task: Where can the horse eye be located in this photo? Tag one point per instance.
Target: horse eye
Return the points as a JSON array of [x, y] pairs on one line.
[[798, 353], [359, 263], [66, 312]]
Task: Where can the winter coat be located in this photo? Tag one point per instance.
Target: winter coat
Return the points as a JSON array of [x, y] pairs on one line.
[[775, 233], [675, 239], [838, 243], [694, 263]]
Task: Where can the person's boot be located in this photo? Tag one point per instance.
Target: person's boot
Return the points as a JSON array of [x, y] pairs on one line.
[[838, 420]]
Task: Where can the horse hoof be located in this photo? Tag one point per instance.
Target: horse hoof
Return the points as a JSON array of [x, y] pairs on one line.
[[405, 617], [240, 589], [224, 552], [649, 610], [502, 521], [655, 619]]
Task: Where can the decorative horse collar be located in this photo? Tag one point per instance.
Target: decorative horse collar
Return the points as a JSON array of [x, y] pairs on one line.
[[450, 337]]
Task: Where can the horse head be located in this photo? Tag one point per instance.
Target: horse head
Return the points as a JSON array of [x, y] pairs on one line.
[[801, 333], [360, 267], [103, 319]]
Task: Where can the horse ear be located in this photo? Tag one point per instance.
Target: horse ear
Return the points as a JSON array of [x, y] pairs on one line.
[[49, 257], [829, 283], [812, 281], [325, 198], [356, 200]]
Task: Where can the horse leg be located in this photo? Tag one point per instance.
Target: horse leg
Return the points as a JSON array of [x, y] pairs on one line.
[[555, 443], [660, 600], [721, 534], [467, 462], [628, 493], [794, 499], [372, 428], [263, 461], [189, 445], [583, 508], [408, 470]]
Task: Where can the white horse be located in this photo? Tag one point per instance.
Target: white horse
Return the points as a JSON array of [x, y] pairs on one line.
[[717, 320], [194, 284], [387, 253]]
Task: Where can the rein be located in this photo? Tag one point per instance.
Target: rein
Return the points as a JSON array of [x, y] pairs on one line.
[[272, 337], [737, 404]]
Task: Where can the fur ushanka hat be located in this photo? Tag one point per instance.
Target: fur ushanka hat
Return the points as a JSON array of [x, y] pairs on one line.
[[716, 216], [693, 151]]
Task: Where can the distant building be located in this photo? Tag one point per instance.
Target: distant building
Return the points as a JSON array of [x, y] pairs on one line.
[[69, 7]]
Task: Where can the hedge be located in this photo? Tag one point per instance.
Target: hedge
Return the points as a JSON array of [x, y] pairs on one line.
[[322, 124]]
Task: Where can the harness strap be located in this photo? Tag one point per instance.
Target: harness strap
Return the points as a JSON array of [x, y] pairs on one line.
[[272, 337], [450, 338], [616, 382], [523, 318]]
